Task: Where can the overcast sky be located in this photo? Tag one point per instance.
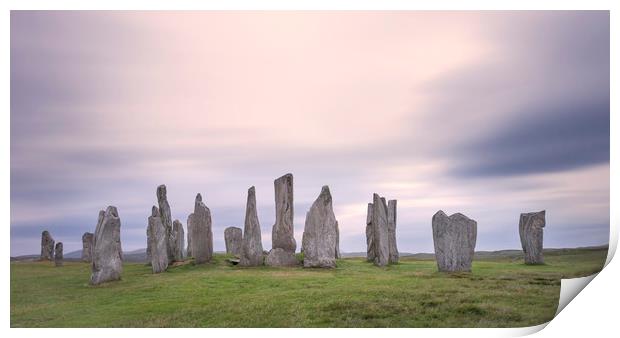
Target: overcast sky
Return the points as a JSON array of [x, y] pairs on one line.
[[486, 113]]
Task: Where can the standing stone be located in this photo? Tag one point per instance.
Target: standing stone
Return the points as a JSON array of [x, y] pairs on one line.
[[531, 232], [87, 247], [189, 235], [149, 235], [337, 255], [233, 237], [202, 235], [166, 219], [391, 217], [58, 257], [178, 235], [282, 234], [454, 238], [107, 254], [47, 246], [370, 236], [380, 231], [320, 233], [252, 248], [157, 242]]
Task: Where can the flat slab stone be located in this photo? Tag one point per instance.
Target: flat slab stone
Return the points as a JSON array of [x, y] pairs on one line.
[[202, 235], [531, 232], [370, 236], [107, 262], [166, 219], [282, 234], [58, 256], [178, 240], [87, 247], [454, 239], [157, 242], [47, 246], [280, 257], [380, 231], [233, 238], [391, 217]]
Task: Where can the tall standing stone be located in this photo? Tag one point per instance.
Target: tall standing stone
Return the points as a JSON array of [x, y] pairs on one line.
[[47, 246], [283, 234], [202, 235], [252, 248], [178, 235], [454, 238], [157, 242], [380, 231], [87, 247], [107, 254], [58, 257], [166, 219], [320, 233], [337, 249], [233, 238], [531, 232], [190, 230], [391, 216], [149, 235], [370, 236]]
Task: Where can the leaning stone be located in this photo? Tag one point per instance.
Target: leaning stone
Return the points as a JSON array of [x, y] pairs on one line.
[[380, 231], [58, 257], [166, 219], [87, 247], [454, 238], [252, 248], [157, 242], [107, 254], [233, 238], [531, 232], [47, 246], [282, 234], [280, 257], [391, 217], [202, 235], [320, 233], [178, 240], [189, 235], [370, 236]]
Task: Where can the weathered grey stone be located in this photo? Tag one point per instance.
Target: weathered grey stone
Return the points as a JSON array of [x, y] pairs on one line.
[[391, 218], [178, 238], [107, 262], [47, 246], [280, 257], [166, 219], [454, 238], [149, 239], [531, 232], [320, 233], [202, 235], [252, 248], [189, 235], [282, 234], [58, 257], [370, 236], [380, 231], [157, 242], [87, 247], [337, 256], [233, 238]]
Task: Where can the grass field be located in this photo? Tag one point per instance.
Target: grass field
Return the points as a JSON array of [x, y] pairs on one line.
[[500, 292]]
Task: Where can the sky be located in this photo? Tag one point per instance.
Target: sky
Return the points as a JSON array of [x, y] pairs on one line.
[[490, 114]]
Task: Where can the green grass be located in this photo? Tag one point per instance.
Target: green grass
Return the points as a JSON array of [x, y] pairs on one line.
[[500, 292]]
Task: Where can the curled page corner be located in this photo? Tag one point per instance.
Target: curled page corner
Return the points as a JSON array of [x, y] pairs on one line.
[[569, 289]]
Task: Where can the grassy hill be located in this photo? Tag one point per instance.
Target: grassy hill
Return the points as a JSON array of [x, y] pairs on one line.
[[500, 292]]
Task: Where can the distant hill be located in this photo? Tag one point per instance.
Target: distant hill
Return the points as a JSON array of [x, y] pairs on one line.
[[139, 255]]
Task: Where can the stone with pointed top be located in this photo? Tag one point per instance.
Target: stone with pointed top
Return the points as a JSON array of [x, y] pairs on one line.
[[107, 262], [157, 242], [454, 239], [320, 233], [166, 219], [531, 232], [252, 248], [283, 234], [202, 235], [380, 231]]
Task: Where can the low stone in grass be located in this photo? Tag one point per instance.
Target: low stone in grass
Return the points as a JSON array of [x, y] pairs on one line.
[[454, 239]]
